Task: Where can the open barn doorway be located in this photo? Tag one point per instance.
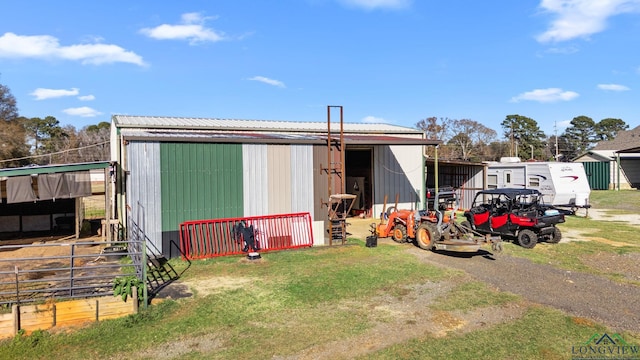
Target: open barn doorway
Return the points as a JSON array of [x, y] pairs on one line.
[[359, 180]]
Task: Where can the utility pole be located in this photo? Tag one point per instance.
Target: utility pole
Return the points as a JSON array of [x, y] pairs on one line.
[[555, 129], [531, 146], [511, 138]]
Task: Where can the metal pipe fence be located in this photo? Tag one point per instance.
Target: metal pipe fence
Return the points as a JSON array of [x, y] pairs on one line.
[[201, 239], [41, 272]]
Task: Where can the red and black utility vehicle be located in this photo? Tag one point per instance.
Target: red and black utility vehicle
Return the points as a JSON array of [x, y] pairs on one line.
[[516, 214]]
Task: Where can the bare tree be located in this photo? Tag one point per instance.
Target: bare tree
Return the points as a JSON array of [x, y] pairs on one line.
[[437, 129], [470, 138], [93, 141]]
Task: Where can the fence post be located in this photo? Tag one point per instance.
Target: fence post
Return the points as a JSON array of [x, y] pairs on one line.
[[144, 272], [17, 285], [134, 295], [15, 310], [73, 249]]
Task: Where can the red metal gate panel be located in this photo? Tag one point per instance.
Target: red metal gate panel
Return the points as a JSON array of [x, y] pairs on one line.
[[201, 239]]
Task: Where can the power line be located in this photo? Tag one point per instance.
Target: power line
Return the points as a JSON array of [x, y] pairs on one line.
[[55, 153]]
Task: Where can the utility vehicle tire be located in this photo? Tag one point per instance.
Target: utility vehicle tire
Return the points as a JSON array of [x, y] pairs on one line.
[[426, 236], [555, 237], [399, 233], [527, 238]]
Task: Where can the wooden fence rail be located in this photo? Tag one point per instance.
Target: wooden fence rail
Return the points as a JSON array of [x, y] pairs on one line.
[[30, 318]]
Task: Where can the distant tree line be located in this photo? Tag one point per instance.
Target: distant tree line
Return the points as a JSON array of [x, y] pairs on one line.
[[468, 140], [26, 141], [40, 141]]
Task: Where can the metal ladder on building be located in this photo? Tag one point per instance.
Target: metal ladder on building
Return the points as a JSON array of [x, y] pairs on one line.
[[339, 204]]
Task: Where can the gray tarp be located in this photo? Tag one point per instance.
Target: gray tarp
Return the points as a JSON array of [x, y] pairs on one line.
[[20, 189], [79, 183], [52, 187]]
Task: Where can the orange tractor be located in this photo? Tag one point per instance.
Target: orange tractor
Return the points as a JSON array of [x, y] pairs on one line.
[[434, 229]]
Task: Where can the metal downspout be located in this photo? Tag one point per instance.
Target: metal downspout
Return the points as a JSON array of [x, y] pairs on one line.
[[435, 166], [618, 168], [423, 187]]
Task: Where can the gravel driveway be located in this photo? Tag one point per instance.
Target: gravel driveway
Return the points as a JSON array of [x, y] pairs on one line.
[[578, 294]]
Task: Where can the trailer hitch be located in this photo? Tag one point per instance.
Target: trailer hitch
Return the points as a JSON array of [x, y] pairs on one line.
[[496, 243]]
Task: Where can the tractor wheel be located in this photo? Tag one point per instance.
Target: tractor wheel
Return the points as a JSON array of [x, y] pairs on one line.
[[399, 233], [555, 237], [427, 235], [527, 238]]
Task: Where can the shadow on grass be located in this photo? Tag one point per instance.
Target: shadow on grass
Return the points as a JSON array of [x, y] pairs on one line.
[[467, 255]]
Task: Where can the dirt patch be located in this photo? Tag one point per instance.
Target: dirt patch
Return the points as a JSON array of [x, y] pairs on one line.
[[610, 215], [180, 347], [397, 319], [625, 265], [45, 255], [569, 235], [214, 285]]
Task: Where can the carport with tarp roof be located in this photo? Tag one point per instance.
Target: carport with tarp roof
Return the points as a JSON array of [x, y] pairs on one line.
[[46, 199]]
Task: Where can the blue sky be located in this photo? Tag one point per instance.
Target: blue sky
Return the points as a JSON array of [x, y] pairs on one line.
[[390, 61]]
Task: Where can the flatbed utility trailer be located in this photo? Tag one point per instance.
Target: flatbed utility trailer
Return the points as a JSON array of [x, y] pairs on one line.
[[435, 229]]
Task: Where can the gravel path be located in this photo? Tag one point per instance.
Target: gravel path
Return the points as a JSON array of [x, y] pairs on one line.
[[579, 294]]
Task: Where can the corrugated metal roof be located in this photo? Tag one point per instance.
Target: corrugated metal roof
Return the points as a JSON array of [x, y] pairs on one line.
[[269, 137], [160, 122], [49, 169]]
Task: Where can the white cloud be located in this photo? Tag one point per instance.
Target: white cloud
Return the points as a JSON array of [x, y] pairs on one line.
[[48, 47], [563, 50], [561, 125], [612, 87], [86, 98], [374, 120], [84, 111], [377, 4], [546, 95], [581, 18], [191, 28], [268, 81], [42, 94]]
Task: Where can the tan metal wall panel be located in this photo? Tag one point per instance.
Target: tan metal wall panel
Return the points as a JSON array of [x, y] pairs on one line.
[[302, 199], [279, 178]]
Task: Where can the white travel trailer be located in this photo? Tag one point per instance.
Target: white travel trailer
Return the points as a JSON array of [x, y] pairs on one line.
[[562, 184]]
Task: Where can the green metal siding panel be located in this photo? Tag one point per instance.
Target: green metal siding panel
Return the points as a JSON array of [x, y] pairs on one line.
[[597, 174], [200, 181]]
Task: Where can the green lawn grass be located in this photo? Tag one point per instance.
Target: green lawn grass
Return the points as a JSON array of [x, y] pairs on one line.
[[294, 300], [541, 334], [298, 299], [571, 255], [628, 200]]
